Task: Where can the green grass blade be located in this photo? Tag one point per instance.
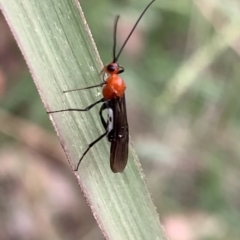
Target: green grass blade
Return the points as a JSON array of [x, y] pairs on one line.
[[57, 45]]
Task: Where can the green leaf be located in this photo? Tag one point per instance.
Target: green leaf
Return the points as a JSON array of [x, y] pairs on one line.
[[57, 45]]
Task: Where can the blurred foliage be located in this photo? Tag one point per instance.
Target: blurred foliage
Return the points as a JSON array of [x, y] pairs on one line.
[[183, 110]]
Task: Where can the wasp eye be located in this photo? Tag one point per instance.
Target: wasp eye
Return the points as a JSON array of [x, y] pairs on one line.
[[111, 68]]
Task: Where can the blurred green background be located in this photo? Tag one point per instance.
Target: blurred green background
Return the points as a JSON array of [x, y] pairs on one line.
[[182, 70]]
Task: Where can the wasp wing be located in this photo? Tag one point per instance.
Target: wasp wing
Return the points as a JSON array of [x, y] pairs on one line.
[[120, 135]]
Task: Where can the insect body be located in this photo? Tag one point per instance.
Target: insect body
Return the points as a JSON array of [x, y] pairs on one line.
[[113, 88]]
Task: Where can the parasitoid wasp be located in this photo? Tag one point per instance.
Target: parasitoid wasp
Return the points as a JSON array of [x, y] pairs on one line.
[[113, 88]]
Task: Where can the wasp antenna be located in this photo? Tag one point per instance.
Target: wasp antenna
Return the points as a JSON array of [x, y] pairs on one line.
[[115, 58], [115, 38]]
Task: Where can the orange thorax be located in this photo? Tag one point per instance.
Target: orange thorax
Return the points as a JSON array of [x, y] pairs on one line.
[[114, 87]]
